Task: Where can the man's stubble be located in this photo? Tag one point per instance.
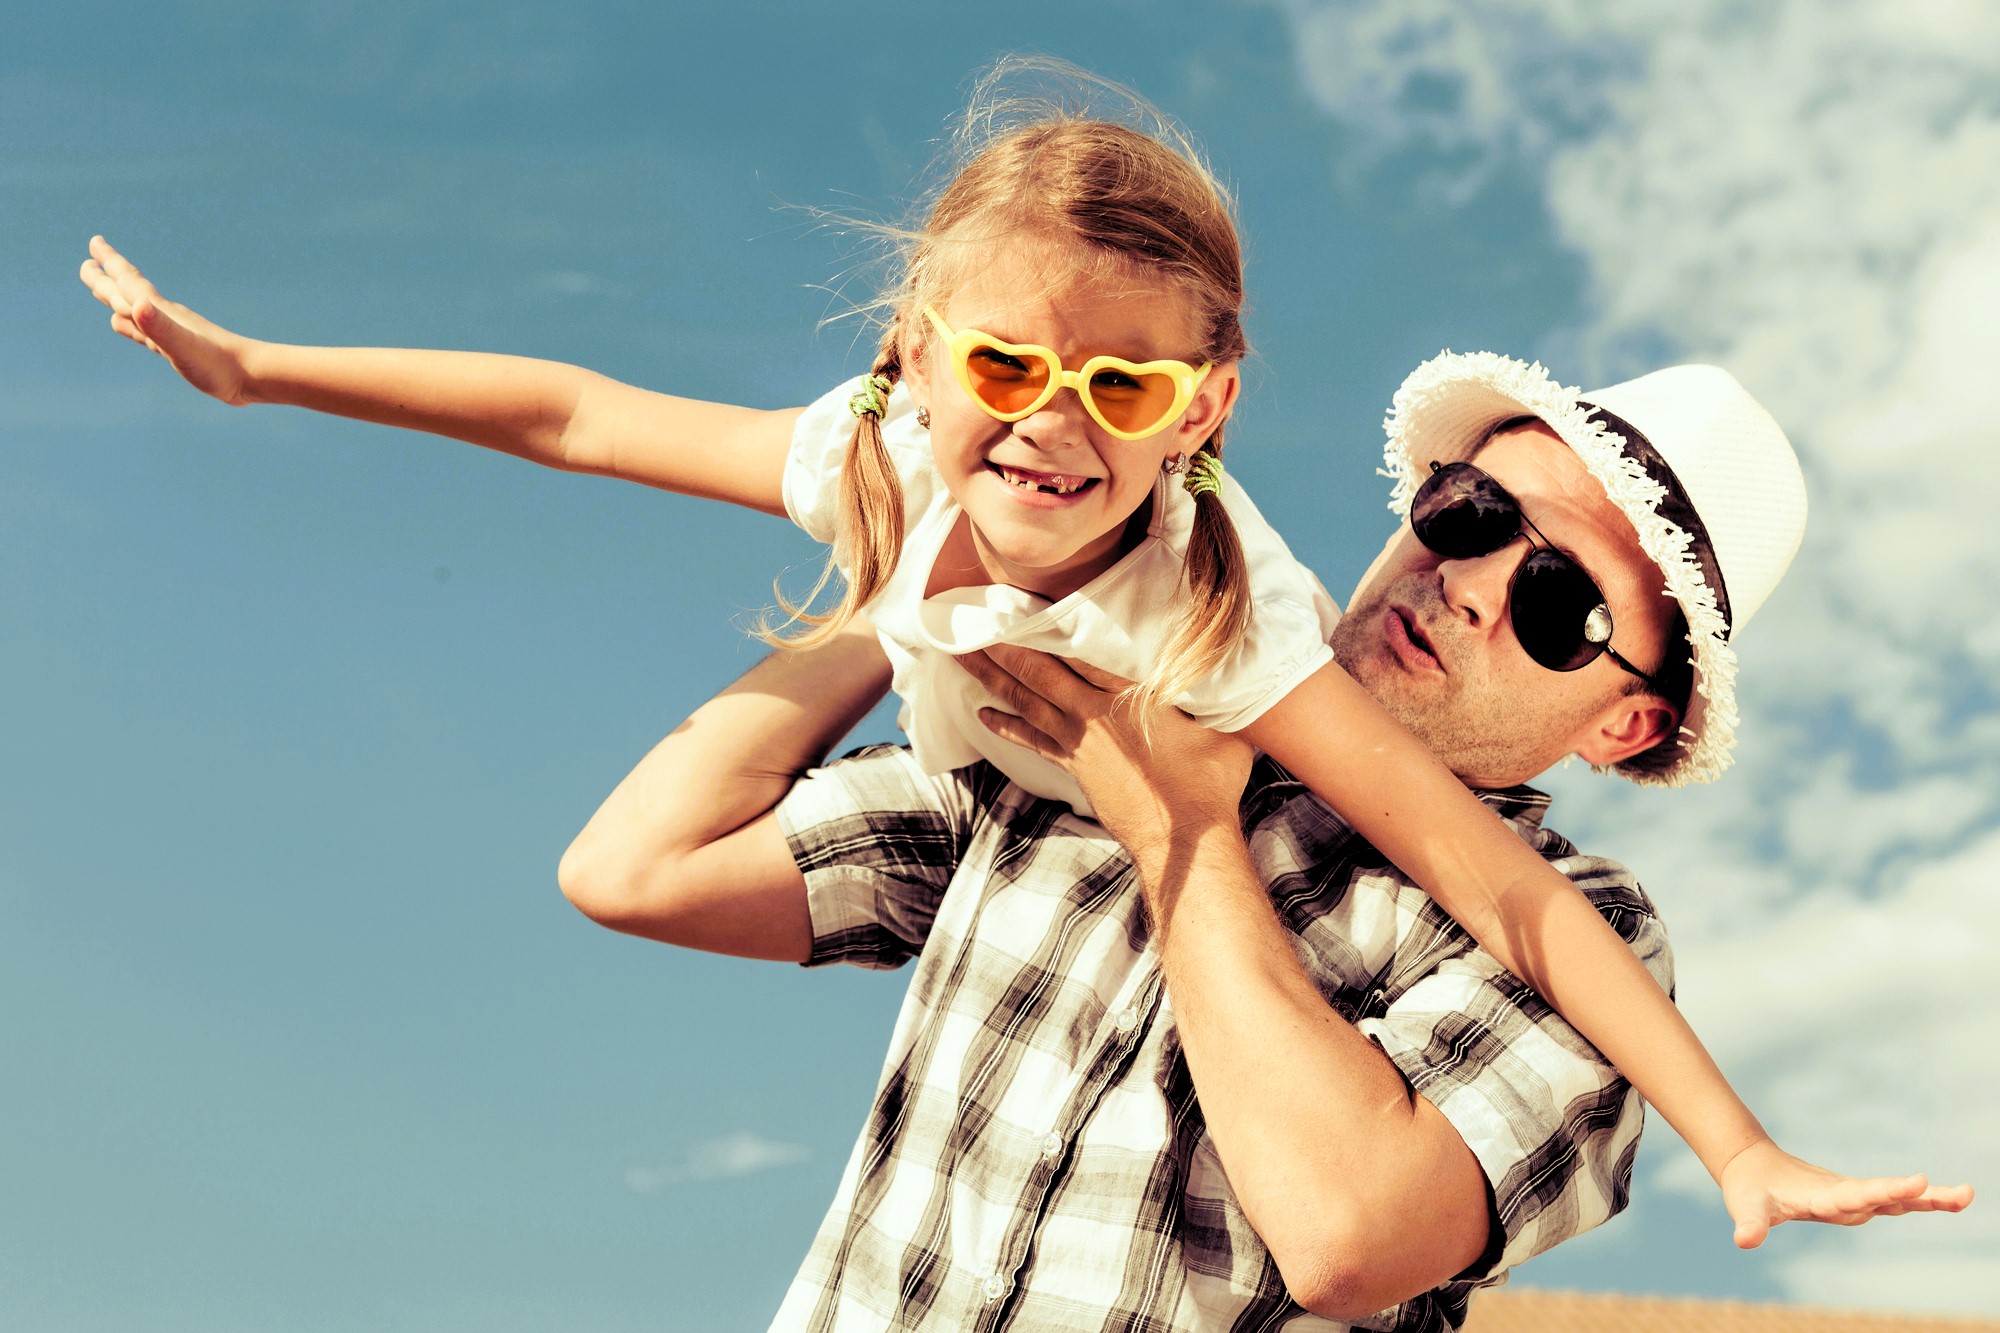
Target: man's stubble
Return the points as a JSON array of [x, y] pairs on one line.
[[1488, 728]]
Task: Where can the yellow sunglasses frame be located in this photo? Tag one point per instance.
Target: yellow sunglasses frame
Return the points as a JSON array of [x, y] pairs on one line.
[[1187, 379]]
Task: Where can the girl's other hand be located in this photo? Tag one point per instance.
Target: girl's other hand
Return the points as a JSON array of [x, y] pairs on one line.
[[205, 354], [1764, 1185]]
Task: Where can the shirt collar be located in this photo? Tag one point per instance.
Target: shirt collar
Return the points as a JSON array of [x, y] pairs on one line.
[[1521, 805]]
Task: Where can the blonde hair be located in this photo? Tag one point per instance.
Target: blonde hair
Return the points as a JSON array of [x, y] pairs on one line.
[[1092, 195]]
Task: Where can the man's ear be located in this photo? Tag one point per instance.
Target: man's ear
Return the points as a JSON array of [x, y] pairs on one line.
[[1629, 725]]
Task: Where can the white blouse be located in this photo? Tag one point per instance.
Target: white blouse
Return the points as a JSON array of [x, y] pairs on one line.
[[1119, 621]]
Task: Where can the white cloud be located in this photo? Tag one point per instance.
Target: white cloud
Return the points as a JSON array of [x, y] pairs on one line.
[[742, 1152], [1806, 193], [569, 282]]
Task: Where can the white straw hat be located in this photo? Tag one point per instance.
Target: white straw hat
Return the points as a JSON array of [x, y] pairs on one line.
[[1706, 476]]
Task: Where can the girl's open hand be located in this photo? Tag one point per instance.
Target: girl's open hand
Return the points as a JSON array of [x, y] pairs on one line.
[[1764, 1185], [206, 355]]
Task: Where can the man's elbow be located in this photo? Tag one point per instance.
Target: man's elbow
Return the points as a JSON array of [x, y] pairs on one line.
[[1335, 1282], [1349, 1271]]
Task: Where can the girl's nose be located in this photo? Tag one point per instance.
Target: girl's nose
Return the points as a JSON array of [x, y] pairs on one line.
[[1057, 424]]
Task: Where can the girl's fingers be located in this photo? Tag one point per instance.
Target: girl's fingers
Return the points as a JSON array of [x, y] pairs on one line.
[[130, 281], [1878, 1192], [1950, 1198], [117, 265], [122, 324], [101, 286]]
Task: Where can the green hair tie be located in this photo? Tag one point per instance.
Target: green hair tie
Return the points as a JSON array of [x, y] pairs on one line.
[[1204, 475], [873, 400]]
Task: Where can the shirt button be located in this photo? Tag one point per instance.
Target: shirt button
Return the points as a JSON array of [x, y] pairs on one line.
[[1128, 1019], [1052, 1145], [994, 1287]]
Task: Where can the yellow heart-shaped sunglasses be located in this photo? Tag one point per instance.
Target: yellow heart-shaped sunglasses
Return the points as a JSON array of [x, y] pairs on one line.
[[1009, 381]]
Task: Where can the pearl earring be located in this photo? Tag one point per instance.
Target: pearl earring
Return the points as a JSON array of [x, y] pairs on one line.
[[924, 417]]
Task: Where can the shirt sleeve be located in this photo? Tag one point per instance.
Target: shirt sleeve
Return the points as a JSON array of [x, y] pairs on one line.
[[878, 841], [1552, 1124], [820, 440]]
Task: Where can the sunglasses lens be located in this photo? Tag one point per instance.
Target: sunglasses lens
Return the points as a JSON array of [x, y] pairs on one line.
[[1460, 512], [1007, 384], [1134, 403], [1552, 602]]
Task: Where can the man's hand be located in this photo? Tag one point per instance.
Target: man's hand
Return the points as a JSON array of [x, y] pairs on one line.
[[1323, 1142], [1156, 782]]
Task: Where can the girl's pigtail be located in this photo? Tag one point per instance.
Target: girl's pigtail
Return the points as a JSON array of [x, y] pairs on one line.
[[1218, 605], [868, 535]]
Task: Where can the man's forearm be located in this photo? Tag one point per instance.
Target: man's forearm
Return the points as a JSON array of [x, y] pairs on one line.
[[1363, 1193]]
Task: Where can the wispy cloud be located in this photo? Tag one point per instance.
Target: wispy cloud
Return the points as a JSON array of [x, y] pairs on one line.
[[743, 1152], [1805, 193]]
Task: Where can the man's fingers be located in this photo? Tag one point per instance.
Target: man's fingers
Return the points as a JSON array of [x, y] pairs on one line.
[[1097, 676], [1015, 695], [1010, 728], [1050, 677]]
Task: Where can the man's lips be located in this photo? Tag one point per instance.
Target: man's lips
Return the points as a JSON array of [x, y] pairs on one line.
[[1406, 640]]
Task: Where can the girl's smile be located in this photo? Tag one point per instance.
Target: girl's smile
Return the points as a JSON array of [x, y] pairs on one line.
[[1040, 489]]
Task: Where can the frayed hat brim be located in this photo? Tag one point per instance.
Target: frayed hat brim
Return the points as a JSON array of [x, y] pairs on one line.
[[1448, 406]]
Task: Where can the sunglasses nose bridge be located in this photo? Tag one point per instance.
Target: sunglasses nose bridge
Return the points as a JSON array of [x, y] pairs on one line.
[[1061, 419]]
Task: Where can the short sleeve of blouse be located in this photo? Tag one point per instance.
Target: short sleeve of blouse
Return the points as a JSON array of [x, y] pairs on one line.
[[819, 450], [1291, 619]]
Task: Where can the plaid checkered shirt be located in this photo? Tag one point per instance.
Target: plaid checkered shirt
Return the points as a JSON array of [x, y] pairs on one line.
[[1036, 1156]]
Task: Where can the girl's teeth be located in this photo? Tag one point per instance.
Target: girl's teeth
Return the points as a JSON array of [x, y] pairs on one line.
[[1049, 485]]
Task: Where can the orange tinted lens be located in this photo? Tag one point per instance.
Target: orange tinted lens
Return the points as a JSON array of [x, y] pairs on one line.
[[1135, 403], [1005, 382]]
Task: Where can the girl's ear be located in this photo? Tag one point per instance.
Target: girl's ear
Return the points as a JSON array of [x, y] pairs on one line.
[[916, 366], [1210, 408]]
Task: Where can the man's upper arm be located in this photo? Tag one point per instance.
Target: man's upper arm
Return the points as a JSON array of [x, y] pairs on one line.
[[878, 841], [1552, 1126]]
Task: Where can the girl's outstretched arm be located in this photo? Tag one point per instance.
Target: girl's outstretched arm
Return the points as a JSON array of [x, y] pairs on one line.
[[558, 415], [1336, 739]]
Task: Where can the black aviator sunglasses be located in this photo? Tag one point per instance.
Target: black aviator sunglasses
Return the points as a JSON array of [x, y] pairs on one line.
[[1557, 609]]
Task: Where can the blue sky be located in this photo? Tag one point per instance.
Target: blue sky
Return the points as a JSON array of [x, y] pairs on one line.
[[302, 712]]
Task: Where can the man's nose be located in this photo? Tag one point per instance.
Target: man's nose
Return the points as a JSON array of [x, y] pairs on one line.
[[1477, 586]]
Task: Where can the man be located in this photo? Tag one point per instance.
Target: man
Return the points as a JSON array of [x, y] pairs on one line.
[[1246, 1073]]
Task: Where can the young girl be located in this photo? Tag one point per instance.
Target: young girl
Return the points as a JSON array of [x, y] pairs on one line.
[[1035, 458]]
